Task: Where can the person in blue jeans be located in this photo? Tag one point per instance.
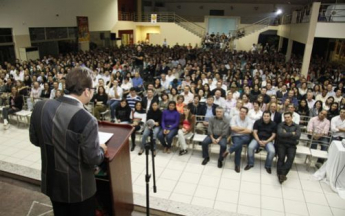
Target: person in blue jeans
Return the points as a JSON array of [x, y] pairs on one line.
[[264, 132], [218, 131], [241, 129], [170, 125], [154, 114]]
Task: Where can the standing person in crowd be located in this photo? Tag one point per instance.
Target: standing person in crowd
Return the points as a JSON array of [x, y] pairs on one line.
[[264, 133], [241, 129], [288, 134], [154, 114], [100, 102], [186, 130], [139, 59], [15, 105], [138, 120], [170, 123], [218, 131], [68, 162]]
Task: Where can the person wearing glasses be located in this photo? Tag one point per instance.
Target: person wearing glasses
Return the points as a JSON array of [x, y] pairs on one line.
[[68, 137]]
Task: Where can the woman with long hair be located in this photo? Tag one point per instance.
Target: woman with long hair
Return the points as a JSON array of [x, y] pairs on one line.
[[138, 119], [100, 102], [303, 108], [187, 123], [180, 104], [173, 94], [154, 114], [333, 111], [246, 102], [255, 113], [316, 109], [170, 123]]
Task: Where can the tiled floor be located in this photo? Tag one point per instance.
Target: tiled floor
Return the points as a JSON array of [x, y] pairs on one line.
[[184, 179]]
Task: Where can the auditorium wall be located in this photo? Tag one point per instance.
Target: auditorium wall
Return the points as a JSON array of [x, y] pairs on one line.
[[20, 15], [330, 30]]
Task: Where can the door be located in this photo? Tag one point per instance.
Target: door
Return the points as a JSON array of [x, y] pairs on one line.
[[126, 37]]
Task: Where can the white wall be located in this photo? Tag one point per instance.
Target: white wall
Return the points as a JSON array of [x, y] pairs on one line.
[[247, 11], [20, 15], [297, 32], [330, 30]]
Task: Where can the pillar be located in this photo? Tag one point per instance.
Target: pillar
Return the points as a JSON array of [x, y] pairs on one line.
[[289, 50], [280, 44], [310, 38], [139, 9]]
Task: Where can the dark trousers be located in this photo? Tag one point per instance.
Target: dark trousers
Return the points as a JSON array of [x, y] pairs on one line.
[[207, 141], [85, 208], [238, 142], [286, 156], [136, 128], [166, 140], [7, 111]]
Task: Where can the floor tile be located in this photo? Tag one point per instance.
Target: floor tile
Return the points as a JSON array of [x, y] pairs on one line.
[[230, 184], [166, 184], [227, 196], [295, 207], [248, 187], [271, 203], [209, 181], [292, 183], [211, 171], [311, 185], [194, 168], [160, 194], [206, 192], [23, 154], [251, 177], [190, 177], [250, 200], [319, 210], [293, 194], [175, 165], [181, 198], [271, 191], [202, 202], [171, 174], [185, 188], [265, 212], [335, 201], [248, 210], [231, 174], [338, 212], [224, 206], [315, 198]]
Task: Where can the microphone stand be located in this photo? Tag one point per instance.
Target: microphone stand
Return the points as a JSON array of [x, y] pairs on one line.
[[148, 147]]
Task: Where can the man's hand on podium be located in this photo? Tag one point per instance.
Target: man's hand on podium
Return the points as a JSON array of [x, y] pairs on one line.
[[104, 147]]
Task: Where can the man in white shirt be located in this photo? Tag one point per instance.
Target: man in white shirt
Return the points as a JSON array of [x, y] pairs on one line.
[[310, 100], [34, 95], [295, 116], [164, 82], [330, 91], [188, 96], [338, 126], [220, 101], [170, 77], [270, 89], [53, 91], [115, 96], [322, 97], [338, 96]]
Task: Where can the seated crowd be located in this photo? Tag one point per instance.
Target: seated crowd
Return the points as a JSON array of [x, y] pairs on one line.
[[254, 98]]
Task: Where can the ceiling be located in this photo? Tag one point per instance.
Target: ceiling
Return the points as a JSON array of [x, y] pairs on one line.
[[293, 2]]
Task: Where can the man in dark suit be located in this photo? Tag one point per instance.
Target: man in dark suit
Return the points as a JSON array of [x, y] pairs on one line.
[[148, 99], [275, 116], [68, 137], [208, 110]]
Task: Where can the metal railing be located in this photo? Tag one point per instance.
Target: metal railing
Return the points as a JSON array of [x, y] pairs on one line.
[[257, 26], [332, 13], [165, 17]]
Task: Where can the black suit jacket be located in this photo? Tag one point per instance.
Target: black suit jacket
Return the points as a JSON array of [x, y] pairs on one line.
[[144, 101], [277, 117], [203, 109]]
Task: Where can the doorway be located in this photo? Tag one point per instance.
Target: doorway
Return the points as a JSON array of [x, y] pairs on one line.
[[126, 37]]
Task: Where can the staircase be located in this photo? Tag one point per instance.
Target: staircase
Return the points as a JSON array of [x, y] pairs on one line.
[[166, 17], [252, 28]]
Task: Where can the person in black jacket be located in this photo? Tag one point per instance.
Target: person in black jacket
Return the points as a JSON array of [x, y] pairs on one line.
[[208, 110], [288, 134], [123, 112], [100, 101], [275, 116], [195, 107], [45, 91], [156, 115], [149, 99], [15, 105]]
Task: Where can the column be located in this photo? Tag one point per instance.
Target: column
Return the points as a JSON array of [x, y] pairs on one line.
[[289, 50], [310, 38], [280, 44], [139, 9]]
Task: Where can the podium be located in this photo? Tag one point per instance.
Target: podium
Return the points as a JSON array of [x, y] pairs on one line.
[[115, 190]]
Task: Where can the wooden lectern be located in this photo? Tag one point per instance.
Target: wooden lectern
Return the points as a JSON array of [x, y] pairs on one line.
[[115, 190]]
